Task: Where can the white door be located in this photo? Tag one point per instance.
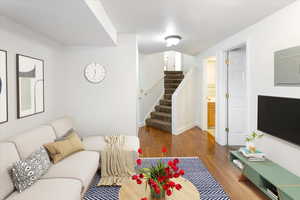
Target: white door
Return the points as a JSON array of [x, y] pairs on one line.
[[237, 96]]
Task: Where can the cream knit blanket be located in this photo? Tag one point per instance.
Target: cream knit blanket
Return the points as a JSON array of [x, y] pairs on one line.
[[117, 164]]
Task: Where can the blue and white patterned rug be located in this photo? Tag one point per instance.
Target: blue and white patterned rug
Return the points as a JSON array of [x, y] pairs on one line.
[[196, 173]]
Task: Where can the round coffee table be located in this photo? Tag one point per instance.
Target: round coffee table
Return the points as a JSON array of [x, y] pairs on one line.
[[132, 191]]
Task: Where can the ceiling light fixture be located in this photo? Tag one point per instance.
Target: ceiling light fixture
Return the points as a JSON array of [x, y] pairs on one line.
[[172, 40]]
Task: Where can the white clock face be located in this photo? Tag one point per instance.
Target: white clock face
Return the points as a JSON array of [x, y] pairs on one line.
[[94, 73]]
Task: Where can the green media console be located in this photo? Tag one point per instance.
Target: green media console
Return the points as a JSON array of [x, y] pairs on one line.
[[267, 175]]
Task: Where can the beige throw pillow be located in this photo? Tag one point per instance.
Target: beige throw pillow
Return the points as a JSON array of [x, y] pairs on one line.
[[62, 149]]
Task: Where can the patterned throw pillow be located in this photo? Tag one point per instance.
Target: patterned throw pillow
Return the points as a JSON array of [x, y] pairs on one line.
[[26, 172]]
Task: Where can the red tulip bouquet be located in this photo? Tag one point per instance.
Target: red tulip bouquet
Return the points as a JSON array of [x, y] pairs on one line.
[[159, 177]]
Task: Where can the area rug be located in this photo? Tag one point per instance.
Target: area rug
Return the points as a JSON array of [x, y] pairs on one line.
[[196, 173]]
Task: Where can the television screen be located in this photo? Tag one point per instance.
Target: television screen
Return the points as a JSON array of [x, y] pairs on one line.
[[279, 117]]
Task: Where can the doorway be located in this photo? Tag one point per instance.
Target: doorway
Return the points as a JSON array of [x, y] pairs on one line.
[[173, 61], [236, 95], [209, 114]]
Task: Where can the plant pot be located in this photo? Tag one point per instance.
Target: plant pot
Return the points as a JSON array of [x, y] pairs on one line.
[[155, 196]]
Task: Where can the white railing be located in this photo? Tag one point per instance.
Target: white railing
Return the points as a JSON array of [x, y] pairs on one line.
[[183, 104], [149, 98], [145, 92]]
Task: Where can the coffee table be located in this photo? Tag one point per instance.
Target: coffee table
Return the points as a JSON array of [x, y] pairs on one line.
[[132, 191]]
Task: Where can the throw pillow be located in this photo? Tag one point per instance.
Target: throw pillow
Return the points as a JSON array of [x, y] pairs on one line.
[[26, 172], [62, 149], [67, 134]]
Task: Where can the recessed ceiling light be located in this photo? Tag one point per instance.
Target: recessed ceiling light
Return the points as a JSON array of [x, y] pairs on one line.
[[172, 40]]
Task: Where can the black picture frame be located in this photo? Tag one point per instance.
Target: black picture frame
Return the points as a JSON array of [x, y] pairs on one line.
[[19, 116], [6, 88]]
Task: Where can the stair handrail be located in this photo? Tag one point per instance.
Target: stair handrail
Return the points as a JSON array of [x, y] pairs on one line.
[[146, 92]]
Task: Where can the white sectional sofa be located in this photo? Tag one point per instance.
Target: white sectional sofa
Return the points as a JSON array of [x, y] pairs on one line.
[[66, 180]]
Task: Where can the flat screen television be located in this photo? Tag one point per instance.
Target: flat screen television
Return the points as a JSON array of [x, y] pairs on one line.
[[279, 117]]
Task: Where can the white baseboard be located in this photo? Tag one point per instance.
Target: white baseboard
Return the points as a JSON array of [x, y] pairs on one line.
[[198, 124], [141, 124]]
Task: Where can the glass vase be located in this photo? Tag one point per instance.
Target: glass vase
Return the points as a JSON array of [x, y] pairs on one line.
[[155, 196]]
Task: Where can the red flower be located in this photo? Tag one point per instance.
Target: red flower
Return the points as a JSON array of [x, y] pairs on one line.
[[157, 190], [164, 149], [171, 184], [167, 170], [181, 172], [169, 192], [134, 177], [178, 187], [166, 187], [145, 198], [141, 176], [176, 161], [140, 151], [160, 179], [170, 163], [138, 181], [139, 162], [170, 176], [176, 175], [151, 181], [175, 168]]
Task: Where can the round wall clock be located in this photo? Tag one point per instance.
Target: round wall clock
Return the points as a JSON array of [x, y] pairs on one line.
[[94, 73]]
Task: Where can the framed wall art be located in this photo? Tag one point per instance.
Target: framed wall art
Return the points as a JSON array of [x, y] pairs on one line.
[[30, 86], [3, 87]]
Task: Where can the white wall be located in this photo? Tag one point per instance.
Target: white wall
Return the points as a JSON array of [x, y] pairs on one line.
[[188, 62], [183, 104], [111, 106], [151, 73], [17, 39], [278, 31]]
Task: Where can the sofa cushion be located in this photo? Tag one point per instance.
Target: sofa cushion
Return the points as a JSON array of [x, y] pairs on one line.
[[26, 172], [8, 156], [82, 166], [50, 189], [62, 149], [62, 126], [97, 143], [32, 140]]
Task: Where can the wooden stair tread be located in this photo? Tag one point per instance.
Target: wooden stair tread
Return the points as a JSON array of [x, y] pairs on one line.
[[173, 72], [159, 122], [163, 109], [167, 100], [173, 79], [166, 107], [172, 84], [162, 114], [170, 89]]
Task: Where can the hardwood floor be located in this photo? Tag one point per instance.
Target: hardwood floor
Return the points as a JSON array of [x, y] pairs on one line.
[[195, 142]]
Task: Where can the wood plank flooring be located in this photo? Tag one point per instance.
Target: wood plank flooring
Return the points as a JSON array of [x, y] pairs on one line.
[[195, 142]]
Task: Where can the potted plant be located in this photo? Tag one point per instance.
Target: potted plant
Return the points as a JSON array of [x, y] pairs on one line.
[[160, 177], [250, 139]]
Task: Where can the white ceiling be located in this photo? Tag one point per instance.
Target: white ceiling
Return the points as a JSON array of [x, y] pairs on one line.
[[201, 23], [69, 22]]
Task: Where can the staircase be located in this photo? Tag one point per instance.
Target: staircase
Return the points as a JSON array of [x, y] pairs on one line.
[[161, 118]]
